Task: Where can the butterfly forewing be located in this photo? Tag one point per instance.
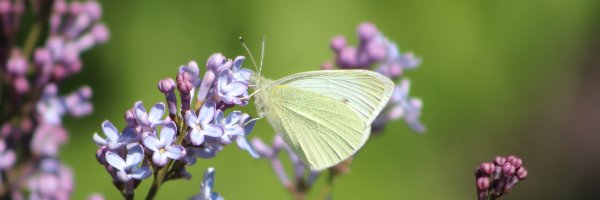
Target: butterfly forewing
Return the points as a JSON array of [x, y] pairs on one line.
[[365, 92]]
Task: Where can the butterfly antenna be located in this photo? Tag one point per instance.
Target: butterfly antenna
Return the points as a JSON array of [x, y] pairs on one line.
[[262, 54], [249, 53]]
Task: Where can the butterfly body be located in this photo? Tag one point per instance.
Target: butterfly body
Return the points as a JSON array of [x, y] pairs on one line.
[[324, 116]]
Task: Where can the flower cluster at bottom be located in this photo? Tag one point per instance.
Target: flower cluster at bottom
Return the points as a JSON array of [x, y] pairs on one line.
[[195, 127], [495, 179]]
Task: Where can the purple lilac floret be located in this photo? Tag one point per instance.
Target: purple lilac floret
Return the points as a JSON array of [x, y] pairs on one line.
[[30, 76], [194, 128], [114, 138], [202, 125], [495, 179], [152, 118], [206, 188], [129, 168], [163, 147], [376, 52]]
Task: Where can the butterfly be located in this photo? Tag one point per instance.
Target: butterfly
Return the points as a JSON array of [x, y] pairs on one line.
[[324, 116]]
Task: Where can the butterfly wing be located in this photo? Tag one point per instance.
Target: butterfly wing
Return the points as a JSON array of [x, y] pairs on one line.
[[321, 130], [365, 92], [325, 116]]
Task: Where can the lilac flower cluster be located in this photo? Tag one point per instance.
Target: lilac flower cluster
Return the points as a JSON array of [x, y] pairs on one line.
[[196, 126], [497, 178], [376, 52], [31, 108]]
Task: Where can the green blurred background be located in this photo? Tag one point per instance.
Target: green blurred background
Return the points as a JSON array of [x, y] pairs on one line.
[[498, 77]]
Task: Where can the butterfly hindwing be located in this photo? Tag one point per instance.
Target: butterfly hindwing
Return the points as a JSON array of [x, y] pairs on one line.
[[320, 129]]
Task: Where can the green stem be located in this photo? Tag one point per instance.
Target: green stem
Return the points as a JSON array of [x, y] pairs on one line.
[[159, 178], [161, 175]]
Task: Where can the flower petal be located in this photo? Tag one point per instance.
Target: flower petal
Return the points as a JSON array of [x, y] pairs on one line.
[[235, 129], [156, 113], [237, 63], [159, 159], [135, 155], [151, 142], [212, 130], [207, 112], [233, 117], [191, 119], [219, 118], [167, 133], [140, 114], [122, 176], [236, 88], [115, 160], [110, 131], [128, 135], [140, 173], [99, 140], [222, 80], [175, 152], [196, 137]]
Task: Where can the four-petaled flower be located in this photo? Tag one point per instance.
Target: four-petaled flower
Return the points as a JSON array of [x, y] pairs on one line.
[[230, 90], [201, 125], [150, 119], [231, 127], [129, 168], [208, 182], [113, 139], [163, 147]]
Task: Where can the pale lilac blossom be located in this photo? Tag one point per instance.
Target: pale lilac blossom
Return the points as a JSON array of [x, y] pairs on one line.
[[129, 168], [162, 146], [114, 139], [232, 91], [152, 118], [201, 125]]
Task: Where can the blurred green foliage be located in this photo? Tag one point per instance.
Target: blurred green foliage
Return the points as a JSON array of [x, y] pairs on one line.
[[493, 71]]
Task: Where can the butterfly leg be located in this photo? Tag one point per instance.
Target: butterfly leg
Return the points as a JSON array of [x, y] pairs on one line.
[[252, 120]]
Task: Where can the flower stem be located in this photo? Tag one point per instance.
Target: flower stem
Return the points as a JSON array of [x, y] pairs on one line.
[[327, 189], [160, 175]]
